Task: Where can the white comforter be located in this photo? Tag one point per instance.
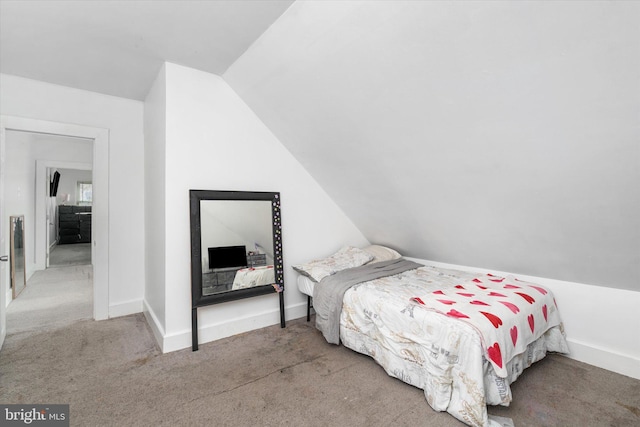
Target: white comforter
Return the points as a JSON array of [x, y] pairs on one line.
[[254, 276], [439, 354]]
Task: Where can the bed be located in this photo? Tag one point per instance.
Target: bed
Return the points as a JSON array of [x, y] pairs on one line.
[[254, 276], [461, 337]]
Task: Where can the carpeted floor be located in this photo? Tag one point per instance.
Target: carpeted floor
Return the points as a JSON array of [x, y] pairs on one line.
[[112, 374], [54, 297], [70, 254]]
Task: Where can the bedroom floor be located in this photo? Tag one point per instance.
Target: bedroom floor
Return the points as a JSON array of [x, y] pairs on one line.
[[112, 373]]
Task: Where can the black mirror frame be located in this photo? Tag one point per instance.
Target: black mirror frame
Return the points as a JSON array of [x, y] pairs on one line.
[[199, 300]]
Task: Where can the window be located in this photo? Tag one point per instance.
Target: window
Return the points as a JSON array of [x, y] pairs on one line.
[[85, 193]]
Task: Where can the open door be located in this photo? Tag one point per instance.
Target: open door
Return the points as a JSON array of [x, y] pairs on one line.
[[4, 256]]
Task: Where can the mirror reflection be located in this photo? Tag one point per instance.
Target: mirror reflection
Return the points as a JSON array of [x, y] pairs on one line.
[[236, 238], [16, 253], [236, 249]]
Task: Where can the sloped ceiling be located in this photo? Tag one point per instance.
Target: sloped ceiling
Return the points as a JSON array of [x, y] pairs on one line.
[[493, 134], [118, 47]]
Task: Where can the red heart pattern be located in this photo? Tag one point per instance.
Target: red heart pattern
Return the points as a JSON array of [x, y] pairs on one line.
[[465, 294], [543, 291], [496, 294], [531, 322], [456, 313], [497, 322], [511, 306], [505, 291], [526, 297], [495, 354]]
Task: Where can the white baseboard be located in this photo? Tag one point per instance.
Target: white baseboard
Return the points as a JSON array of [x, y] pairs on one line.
[[604, 358], [125, 308], [602, 324], [213, 332], [154, 324], [296, 311]]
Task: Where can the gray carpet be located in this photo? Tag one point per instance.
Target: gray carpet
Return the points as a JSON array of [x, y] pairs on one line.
[[71, 254], [54, 297], [112, 374]]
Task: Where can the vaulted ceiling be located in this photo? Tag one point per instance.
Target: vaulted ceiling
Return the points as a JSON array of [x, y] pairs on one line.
[[494, 134], [118, 47]]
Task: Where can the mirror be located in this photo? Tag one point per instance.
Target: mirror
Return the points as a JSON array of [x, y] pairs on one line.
[[236, 248], [17, 255], [236, 245]]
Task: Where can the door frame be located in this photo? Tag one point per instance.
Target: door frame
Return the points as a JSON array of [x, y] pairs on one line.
[[100, 214]]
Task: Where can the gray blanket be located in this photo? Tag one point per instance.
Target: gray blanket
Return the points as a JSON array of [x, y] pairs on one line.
[[329, 292]]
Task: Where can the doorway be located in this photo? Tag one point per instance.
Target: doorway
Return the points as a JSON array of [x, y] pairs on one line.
[[100, 239], [67, 210], [51, 298]]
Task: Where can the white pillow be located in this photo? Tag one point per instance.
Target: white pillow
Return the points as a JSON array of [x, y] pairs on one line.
[[381, 253], [347, 257]]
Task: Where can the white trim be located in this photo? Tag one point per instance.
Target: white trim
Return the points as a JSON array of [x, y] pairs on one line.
[[100, 219], [154, 324], [4, 287], [227, 328], [613, 345], [605, 358], [296, 311], [125, 308], [212, 332]]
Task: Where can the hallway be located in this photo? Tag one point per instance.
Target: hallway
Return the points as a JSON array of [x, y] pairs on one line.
[[65, 255], [53, 298]]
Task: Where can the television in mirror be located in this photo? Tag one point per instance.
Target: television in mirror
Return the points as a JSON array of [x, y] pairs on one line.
[[236, 248]]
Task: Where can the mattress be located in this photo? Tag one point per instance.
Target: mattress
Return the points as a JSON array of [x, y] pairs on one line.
[[305, 285]]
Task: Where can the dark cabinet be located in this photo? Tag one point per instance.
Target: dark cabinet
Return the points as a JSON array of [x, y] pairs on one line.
[[74, 224], [256, 260], [218, 280]]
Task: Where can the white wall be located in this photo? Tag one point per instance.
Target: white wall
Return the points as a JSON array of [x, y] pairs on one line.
[[495, 133], [124, 120], [69, 179], [22, 151], [154, 195], [214, 141]]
